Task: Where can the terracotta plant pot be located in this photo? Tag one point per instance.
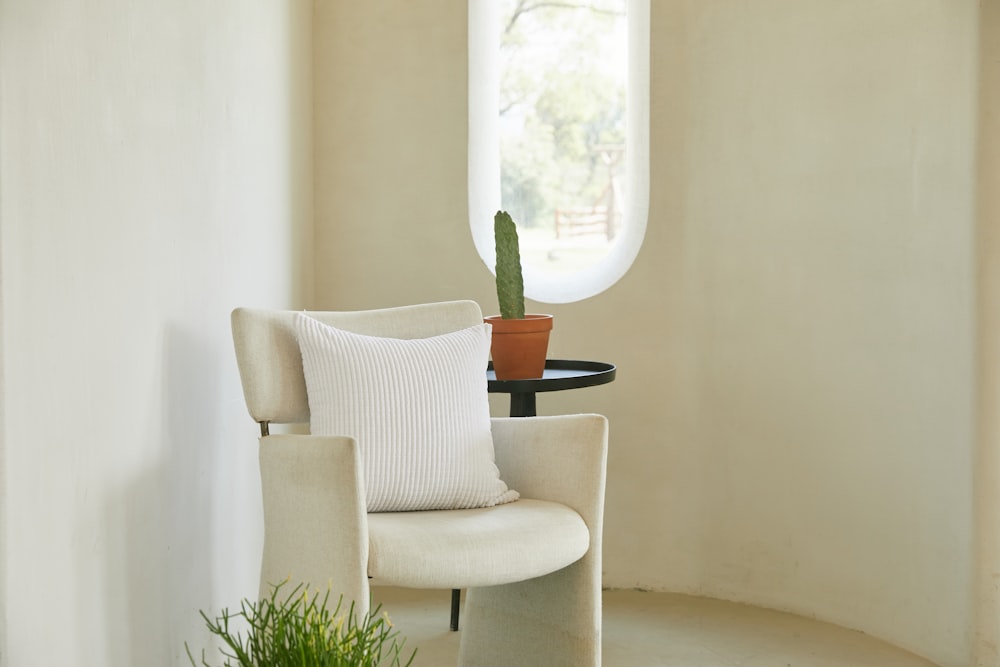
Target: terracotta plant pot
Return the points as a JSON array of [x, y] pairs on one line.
[[519, 347]]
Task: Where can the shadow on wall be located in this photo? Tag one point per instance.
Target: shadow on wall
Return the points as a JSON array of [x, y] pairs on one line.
[[160, 527]]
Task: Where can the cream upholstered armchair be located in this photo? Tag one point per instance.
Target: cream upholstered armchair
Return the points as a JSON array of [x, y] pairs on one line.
[[532, 567]]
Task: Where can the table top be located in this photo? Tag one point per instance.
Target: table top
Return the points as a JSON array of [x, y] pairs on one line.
[[559, 374]]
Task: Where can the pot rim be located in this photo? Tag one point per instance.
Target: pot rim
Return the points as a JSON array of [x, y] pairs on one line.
[[530, 323]]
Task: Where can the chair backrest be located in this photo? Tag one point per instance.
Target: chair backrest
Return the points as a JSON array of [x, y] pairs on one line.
[[267, 350]]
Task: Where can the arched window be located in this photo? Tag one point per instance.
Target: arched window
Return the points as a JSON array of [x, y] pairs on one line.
[[559, 136]]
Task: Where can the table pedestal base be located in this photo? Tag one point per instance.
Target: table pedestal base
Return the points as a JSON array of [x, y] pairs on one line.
[[523, 405], [456, 596]]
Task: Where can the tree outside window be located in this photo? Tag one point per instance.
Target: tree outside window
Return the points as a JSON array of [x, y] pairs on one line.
[[562, 127]]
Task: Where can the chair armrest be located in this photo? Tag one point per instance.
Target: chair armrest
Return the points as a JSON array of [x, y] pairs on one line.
[[558, 616], [562, 459], [313, 494]]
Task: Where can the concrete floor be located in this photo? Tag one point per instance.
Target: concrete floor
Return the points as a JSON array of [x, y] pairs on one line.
[[661, 629]]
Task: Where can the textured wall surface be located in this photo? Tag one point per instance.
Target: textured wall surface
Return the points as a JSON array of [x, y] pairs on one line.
[[793, 419], [987, 637], [154, 173]]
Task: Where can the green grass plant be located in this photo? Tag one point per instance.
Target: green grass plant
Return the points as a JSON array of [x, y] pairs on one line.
[[300, 630]]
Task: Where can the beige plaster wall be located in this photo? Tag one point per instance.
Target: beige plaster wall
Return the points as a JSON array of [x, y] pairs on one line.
[[155, 172], [390, 105], [793, 420], [824, 189], [987, 639]]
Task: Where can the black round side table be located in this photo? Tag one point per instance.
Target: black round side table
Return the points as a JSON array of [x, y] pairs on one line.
[[559, 374]]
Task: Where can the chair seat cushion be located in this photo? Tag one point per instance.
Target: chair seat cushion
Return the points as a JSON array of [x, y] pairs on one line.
[[474, 547]]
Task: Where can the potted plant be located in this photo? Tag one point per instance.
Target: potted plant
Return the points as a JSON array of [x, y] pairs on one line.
[[300, 629], [520, 341]]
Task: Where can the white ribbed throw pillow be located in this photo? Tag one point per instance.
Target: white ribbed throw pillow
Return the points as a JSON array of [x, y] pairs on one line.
[[418, 409]]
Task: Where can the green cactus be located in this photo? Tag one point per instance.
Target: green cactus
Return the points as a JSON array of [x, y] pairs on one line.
[[510, 283]]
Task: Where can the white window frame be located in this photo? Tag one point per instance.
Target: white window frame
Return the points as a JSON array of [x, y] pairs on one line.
[[484, 157]]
